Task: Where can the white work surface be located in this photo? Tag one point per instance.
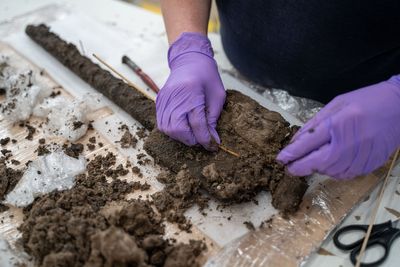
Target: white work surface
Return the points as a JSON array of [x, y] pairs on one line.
[[141, 35]]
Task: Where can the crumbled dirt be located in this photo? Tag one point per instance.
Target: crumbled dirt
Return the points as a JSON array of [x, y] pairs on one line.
[[31, 131], [8, 178], [6, 152], [73, 150], [180, 193], [92, 140], [128, 140], [133, 102], [91, 147], [42, 141], [4, 141], [249, 225], [69, 228], [55, 93], [141, 133], [15, 162], [42, 150], [77, 124], [253, 132], [3, 208]]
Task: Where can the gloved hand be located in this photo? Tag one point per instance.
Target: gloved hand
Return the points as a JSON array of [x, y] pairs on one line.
[[189, 104], [353, 135]]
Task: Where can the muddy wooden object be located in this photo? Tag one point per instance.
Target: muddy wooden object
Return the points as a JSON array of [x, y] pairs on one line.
[[257, 135], [133, 102]]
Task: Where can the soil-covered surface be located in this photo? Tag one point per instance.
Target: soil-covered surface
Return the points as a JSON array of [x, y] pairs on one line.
[[133, 102], [253, 132], [76, 228], [8, 180], [245, 127]]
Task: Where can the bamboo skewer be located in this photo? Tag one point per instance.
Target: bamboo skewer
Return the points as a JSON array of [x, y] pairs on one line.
[[375, 211], [152, 98]]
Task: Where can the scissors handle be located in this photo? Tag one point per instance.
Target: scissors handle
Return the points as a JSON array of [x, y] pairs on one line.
[[357, 227], [383, 239]]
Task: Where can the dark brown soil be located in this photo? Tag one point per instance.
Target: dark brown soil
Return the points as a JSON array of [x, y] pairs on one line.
[[31, 131], [42, 150], [253, 132], [133, 102], [8, 180], [73, 150], [69, 228], [4, 141], [77, 124], [180, 193], [245, 127], [128, 140]]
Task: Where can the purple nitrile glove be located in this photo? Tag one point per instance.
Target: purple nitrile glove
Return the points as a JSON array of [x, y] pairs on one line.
[[353, 135], [189, 104]]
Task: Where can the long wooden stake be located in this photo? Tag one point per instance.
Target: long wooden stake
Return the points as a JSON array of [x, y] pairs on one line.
[[375, 211], [149, 96]]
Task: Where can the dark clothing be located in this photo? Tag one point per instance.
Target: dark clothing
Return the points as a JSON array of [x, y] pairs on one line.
[[311, 48]]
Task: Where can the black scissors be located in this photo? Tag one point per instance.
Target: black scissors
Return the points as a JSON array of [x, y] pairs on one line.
[[381, 235]]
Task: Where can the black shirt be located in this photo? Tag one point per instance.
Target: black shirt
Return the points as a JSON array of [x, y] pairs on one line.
[[312, 48]]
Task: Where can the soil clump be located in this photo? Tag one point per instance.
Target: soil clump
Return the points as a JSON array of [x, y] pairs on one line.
[[71, 228], [253, 132], [245, 127], [127, 140], [133, 102], [8, 180]]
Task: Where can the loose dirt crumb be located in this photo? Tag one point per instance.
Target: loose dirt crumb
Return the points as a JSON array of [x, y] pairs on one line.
[[8, 178], [77, 124], [128, 140], [31, 131], [4, 141], [74, 150], [249, 225]]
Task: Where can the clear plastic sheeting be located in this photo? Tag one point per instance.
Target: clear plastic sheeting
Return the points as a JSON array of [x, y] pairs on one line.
[[54, 171], [302, 108], [8, 258], [288, 241], [63, 115], [23, 93]]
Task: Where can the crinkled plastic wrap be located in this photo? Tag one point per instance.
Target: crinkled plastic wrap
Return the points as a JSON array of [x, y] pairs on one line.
[[54, 171], [302, 108], [288, 241]]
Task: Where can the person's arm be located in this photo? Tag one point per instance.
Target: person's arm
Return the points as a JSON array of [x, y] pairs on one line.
[[190, 103], [185, 16]]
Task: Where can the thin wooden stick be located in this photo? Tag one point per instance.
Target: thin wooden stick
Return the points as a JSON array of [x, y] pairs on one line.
[[149, 97], [229, 151], [152, 98], [375, 211]]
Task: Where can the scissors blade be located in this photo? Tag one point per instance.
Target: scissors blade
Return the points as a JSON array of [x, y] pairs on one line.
[[396, 223]]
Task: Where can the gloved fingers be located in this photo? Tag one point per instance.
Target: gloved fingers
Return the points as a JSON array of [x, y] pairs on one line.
[[306, 143], [331, 108], [344, 140], [377, 157], [181, 131], [357, 165], [198, 124], [214, 136], [214, 105], [310, 163]]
